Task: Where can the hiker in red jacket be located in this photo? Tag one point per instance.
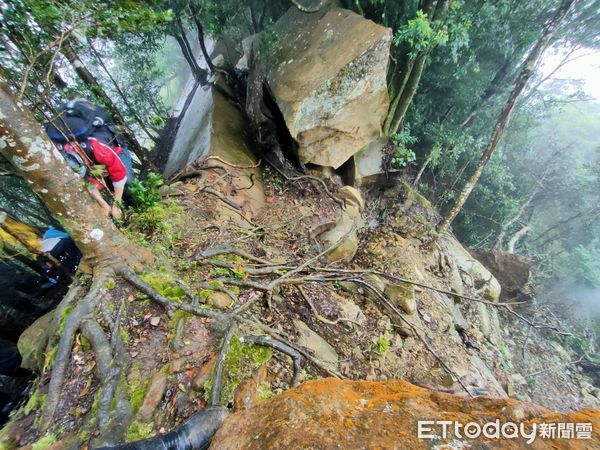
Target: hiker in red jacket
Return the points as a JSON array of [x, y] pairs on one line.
[[117, 174], [82, 133]]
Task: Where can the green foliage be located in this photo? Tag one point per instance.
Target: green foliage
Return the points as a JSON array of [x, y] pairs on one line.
[[419, 36], [36, 402], [403, 155], [505, 357], [269, 46], [145, 194], [45, 442], [166, 285], [138, 431], [240, 361], [578, 344], [264, 391], [160, 222], [382, 346]]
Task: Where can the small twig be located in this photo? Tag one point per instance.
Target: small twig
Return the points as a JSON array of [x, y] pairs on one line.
[[215, 399], [319, 316], [338, 200], [390, 306], [216, 158], [222, 198], [557, 366]]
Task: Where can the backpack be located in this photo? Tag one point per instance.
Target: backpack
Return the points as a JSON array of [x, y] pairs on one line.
[[76, 121]]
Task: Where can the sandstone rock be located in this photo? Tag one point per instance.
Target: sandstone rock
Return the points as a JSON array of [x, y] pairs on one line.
[[32, 343], [473, 270], [351, 195], [518, 379], [246, 394], [330, 82], [351, 311], [156, 389], [343, 234], [331, 413], [368, 162], [485, 324], [177, 366], [214, 127], [402, 295], [204, 374], [219, 300], [377, 282], [311, 340]]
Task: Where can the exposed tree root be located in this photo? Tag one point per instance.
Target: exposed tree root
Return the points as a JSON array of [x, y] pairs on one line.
[[215, 398], [283, 348], [167, 303], [69, 326]]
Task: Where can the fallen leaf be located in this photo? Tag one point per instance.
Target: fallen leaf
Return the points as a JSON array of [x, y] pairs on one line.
[[154, 321]]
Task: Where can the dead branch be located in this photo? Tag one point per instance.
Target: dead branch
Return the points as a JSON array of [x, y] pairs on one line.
[[557, 366], [329, 194], [216, 158], [214, 251]]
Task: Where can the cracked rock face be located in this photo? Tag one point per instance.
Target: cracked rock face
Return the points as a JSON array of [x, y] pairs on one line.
[[330, 82]]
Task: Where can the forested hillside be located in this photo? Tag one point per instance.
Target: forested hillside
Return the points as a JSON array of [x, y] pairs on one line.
[[205, 204]]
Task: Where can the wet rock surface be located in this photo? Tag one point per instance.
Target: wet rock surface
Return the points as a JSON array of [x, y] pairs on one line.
[[330, 82], [332, 414]]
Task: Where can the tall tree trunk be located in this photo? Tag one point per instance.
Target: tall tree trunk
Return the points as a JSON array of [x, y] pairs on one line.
[[403, 96], [494, 87], [524, 76], [200, 31], [200, 74], [513, 220], [34, 157], [90, 80]]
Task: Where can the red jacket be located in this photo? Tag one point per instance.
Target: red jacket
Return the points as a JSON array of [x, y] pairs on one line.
[[109, 157]]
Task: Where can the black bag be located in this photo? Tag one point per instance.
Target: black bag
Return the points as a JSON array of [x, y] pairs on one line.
[[76, 121]]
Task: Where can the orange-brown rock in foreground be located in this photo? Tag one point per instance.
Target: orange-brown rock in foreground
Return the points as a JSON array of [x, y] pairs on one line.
[[333, 414]]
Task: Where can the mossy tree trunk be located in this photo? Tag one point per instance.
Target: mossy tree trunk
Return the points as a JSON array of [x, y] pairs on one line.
[[527, 71], [34, 158]]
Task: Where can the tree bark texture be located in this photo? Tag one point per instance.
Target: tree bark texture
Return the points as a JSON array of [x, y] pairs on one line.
[[34, 157]]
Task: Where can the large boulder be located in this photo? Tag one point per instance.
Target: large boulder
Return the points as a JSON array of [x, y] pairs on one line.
[[329, 81], [343, 235], [332, 414], [214, 128], [33, 341]]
